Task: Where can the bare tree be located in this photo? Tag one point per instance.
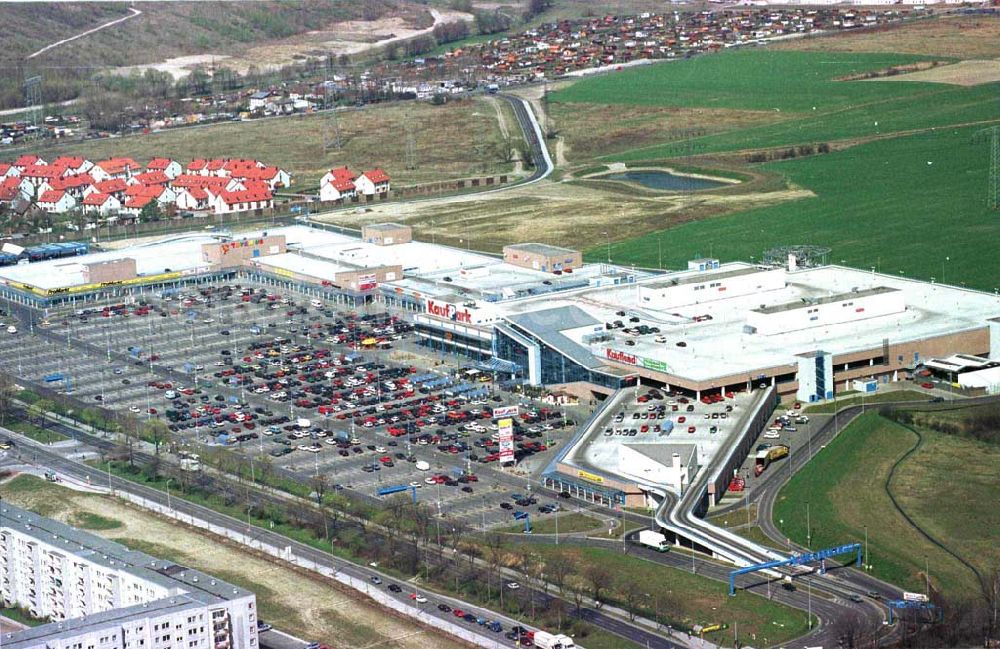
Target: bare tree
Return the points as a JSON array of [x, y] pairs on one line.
[[629, 591], [557, 568], [598, 577]]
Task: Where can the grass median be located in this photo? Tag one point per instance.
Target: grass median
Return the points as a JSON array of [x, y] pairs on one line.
[[842, 493]]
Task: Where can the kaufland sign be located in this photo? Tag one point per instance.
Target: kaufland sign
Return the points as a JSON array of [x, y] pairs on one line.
[[620, 357], [629, 359], [448, 311]]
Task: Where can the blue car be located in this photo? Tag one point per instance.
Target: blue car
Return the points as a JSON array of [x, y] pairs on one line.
[[495, 627]]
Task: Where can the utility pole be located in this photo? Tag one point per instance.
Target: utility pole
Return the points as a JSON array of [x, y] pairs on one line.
[[331, 135]]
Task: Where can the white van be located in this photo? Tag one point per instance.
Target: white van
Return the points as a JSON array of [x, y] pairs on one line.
[[422, 466]]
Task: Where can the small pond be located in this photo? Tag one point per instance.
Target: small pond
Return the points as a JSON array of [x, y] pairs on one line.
[[664, 180]]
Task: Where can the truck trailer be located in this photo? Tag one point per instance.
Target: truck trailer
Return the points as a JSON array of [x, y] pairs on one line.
[[768, 455], [654, 540]]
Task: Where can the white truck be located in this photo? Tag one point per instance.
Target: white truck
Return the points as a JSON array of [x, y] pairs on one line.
[[545, 640], [654, 540]]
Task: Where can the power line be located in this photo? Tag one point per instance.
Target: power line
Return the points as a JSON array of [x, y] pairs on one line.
[[992, 136], [410, 154]]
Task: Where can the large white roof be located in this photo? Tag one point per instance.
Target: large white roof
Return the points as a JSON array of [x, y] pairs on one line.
[[721, 347], [174, 253]]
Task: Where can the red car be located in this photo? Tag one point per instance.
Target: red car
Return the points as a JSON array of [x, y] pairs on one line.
[[691, 429], [927, 386]]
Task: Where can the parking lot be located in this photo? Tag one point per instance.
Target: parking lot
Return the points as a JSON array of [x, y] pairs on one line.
[[315, 390], [661, 417]]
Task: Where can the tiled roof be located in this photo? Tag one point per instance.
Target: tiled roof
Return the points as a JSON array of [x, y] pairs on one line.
[[51, 196]]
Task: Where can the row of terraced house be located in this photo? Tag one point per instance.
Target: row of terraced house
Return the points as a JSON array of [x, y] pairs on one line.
[[122, 188]]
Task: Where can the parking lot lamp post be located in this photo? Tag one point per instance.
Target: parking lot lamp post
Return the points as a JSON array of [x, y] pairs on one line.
[[608, 236], [808, 527], [169, 506]]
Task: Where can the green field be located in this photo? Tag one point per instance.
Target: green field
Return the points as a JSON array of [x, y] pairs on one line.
[[682, 599], [878, 205], [568, 523], [844, 487], [747, 79], [819, 109], [903, 165]]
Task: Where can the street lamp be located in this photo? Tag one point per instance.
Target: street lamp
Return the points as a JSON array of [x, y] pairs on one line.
[[608, 236]]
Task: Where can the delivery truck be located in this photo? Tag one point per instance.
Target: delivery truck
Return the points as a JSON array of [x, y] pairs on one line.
[[654, 540], [545, 640]]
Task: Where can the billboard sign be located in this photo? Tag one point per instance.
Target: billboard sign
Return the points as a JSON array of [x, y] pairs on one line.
[[506, 440], [367, 282], [505, 411]]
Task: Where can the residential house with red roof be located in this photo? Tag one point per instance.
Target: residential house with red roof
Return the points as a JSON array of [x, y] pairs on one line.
[[76, 164], [236, 167], [170, 168], [374, 182], [13, 188], [28, 160], [122, 168], [134, 205], [196, 167], [7, 171], [75, 185], [116, 187], [56, 202], [215, 167], [337, 184], [164, 195], [103, 204], [274, 177], [39, 175], [243, 201], [193, 198], [152, 178]]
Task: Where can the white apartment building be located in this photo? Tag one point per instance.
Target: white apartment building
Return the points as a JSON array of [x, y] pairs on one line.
[[98, 594]]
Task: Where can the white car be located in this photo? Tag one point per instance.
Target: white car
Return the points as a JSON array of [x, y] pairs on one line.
[[429, 481], [513, 585], [771, 435], [12, 329], [420, 599], [133, 409], [380, 449]]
